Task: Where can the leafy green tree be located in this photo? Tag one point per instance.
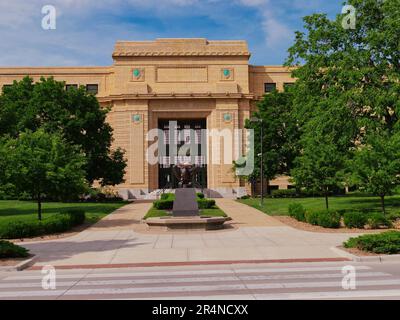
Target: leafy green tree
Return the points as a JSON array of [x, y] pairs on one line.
[[44, 165], [320, 166], [348, 86], [376, 165], [73, 113], [349, 78], [280, 135]]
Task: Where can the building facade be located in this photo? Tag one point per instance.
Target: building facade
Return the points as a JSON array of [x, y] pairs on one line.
[[196, 83]]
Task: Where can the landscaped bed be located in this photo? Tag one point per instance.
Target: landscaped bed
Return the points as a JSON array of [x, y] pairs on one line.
[[382, 243], [18, 218], [163, 207], [347, 214]]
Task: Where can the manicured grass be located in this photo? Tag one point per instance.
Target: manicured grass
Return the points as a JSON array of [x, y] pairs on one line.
[[279, 207], [12, 210], [214, 212]]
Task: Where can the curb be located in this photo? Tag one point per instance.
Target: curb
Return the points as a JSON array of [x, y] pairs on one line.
[[381, 258], [20, 266], [190, 263]]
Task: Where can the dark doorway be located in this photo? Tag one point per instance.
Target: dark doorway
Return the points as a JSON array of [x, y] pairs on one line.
[[187, 131]]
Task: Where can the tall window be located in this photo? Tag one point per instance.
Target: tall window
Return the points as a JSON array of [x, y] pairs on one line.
[[70, 86], [269, 87], [92, 88]]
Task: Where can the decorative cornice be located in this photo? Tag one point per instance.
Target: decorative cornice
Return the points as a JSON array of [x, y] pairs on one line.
[[174, 95], [198, 47], [120, 53]]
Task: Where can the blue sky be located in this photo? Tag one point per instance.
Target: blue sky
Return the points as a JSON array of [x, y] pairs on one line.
[[87, 29]]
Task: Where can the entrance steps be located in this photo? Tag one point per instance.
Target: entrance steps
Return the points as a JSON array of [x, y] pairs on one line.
[[141, 194]]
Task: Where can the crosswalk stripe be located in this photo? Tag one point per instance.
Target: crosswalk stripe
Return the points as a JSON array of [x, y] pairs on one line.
[[199, 288], [85, 282], [185, 273], [329, 295]]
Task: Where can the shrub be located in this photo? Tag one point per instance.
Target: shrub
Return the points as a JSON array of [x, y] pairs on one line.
[[32, 228], [297, 211], [394, 216], [355, 219], [104, 195], [164, 204], [312, 217], [167, 196], [76, 216], [283, 193], [328, 219], [200, 195], [378, 220], [11, 250], [206, 203], [387, 242], [245, 197]]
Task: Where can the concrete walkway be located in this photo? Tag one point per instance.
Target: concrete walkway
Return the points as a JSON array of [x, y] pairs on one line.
[[119, 239]]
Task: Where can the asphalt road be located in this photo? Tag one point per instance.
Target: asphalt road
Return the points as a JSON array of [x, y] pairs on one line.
[[221, 282]]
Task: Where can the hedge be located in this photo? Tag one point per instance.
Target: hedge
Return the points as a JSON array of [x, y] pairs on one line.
[[375, 220], [169, 204], [355, 220], [284, 193], [328, 219], [297, 211], [56, 223], [11, 250], [386, 243], [378, 220], [206, 203]]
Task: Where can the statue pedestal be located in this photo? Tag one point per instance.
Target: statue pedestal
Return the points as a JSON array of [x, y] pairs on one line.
[[185, 204]]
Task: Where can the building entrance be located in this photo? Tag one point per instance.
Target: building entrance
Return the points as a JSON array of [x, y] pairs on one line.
[[182, 142]]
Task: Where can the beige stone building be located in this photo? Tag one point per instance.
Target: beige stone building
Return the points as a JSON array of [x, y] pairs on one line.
[[197, 83]]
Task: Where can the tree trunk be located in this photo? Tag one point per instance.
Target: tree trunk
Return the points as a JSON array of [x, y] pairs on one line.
[[326, 200], [39, 200], [383, 204]]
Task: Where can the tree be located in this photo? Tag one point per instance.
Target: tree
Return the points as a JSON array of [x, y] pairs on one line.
[[349, 78], [73, 113], [376, 165], [348, 86], [320, 166], [44, 164], [280, 135]]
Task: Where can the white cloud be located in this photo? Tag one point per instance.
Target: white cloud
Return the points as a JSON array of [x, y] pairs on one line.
[[277, 33]]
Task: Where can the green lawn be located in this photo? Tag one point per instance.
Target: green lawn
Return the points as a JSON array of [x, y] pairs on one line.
[[12, 210], [280, 206], [155, 213]]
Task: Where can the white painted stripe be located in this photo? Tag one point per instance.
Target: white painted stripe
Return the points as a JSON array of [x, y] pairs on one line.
[[328, 295], [186, 289], [186, 273], [84, 282], [330, 284]]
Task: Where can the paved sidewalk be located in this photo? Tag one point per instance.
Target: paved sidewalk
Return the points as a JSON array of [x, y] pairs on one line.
[[118, 239], [246, 216]]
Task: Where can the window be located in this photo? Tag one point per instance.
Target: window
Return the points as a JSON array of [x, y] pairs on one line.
[[92, 88], [70, 86], [287, 85], [269, 87]]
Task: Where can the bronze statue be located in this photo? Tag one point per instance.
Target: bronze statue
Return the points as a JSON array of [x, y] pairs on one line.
[[185, 174]]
